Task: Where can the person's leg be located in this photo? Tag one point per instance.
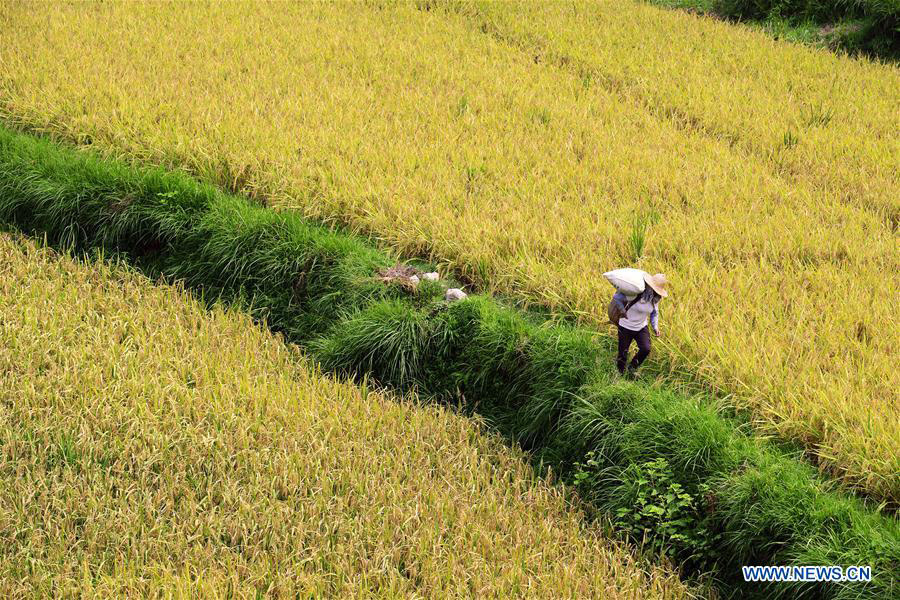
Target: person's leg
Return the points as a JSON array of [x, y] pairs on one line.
[[643, 342], [625, 337]]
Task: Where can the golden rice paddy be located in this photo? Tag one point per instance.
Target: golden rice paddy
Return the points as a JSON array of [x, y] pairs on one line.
[[520, 143]]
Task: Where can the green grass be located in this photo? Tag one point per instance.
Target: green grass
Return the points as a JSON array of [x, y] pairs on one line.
[[702, 6], [869, 27], [548, 386]]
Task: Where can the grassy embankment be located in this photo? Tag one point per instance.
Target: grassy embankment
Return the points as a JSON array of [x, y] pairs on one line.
[[151, 448], [869, 27], [523, 144], [715, 498]]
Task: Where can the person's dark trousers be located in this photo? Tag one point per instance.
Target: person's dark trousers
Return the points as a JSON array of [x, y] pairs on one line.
[[642, 338]]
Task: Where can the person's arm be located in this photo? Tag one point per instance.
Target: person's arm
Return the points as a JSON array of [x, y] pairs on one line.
[[654, 319], [619, 299]]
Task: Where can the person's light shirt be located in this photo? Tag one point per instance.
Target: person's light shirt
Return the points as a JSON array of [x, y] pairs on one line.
[[638, 313]]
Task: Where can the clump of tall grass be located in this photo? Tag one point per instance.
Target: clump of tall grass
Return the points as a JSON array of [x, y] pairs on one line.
[[637, 238], [548, 386]]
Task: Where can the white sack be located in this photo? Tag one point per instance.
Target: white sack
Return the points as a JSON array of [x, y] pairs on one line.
[[455, 294], [628, 281]]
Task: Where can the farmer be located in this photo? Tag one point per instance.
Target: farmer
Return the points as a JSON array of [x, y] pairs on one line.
[[633, 326]]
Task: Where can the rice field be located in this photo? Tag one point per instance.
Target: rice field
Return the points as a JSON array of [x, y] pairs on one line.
[[523, 144], [823, 120], [547, 386], [153, 448]]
